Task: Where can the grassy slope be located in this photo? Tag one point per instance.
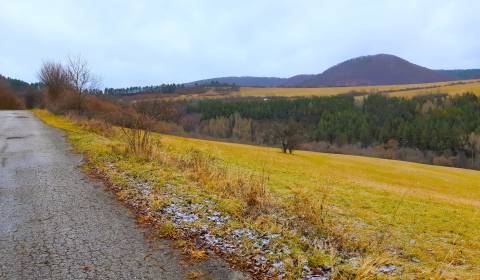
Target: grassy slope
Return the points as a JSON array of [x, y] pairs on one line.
[[429, 212], [450, 89], [394, 90], [398, 90]]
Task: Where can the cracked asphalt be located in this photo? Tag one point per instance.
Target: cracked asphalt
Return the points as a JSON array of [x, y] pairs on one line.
[[57, 223]]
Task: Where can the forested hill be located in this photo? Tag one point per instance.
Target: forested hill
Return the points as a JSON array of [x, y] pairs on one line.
[[15, 84], [243, 81], [378, 69], [462, 74], [381, 69]]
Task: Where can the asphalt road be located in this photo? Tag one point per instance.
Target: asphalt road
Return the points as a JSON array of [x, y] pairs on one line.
[[57, 223]]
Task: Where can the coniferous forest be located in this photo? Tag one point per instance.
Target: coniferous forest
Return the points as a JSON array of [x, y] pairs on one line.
[[435, 129]]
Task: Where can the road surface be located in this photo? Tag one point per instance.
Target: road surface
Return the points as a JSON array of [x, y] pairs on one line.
[[57, 223]]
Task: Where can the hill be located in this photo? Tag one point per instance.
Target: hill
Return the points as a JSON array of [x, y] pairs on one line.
[[243, 81], [462, 74], [380, 69], [423, 218]]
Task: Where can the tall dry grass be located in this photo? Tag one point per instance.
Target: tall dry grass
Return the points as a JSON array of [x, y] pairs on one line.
[[138, 137], [250, 188]]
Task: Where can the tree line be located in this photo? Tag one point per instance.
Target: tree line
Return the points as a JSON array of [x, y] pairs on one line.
[[163, 88], [17, 94], [170, 88], [436, 123], [438, 128]]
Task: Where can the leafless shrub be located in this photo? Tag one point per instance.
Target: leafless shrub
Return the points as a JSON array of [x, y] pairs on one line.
[[34, 98], [472, 144], [7, 99], [287, 135], [67, 84], [54, 77], [79, 76], [138, 137]]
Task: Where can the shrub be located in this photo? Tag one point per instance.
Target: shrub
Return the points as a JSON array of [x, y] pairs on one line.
[[8, 101], [138, 137]]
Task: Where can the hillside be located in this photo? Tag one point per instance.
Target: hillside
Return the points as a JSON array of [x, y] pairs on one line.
[[462, 74], [243, 81], [419, 218], [380, 69], [365, 193], [249, 81]]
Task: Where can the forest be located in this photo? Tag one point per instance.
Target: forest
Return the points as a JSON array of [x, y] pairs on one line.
[[169, 89], [435, 129]]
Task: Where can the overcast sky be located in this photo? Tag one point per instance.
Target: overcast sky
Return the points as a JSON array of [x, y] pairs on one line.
[[150, 42]]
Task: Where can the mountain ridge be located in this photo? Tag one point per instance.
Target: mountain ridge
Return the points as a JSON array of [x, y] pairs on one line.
[[379, 69]]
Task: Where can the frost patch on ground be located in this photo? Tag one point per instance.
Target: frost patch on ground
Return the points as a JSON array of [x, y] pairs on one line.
[[263, 252]]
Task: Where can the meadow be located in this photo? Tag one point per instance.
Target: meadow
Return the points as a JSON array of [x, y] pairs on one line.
[[403, 90], [406, 90], [451, 89], [431, 212], [423, 218]]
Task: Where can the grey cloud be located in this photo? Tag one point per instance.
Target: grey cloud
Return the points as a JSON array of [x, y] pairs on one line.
[[150, 42]]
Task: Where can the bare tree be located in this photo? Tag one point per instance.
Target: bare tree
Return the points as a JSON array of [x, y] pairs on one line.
[[72, 80], [287, 135], [54, 77], [79, 75], [472, 143]]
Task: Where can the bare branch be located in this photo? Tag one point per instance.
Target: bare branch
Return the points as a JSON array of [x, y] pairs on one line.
[[54, 77], [79, 75]]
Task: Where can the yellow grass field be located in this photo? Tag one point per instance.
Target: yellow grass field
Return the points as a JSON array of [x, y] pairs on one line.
[[427, 215], [473, 87], [403, 90], [395, 90], [432, 211]]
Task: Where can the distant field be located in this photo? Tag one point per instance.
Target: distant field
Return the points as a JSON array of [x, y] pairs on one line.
[[455, 89], [431, 211], [406, 90]]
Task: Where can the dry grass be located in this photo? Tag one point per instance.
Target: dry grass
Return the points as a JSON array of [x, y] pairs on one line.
[[408, 209], [248, 187], [93, 125], [138, 138], [392, 211], [395, 90], [453, 89], [194, 275]]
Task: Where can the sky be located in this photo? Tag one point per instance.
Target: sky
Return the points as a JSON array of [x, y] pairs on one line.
[[129, 43]]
